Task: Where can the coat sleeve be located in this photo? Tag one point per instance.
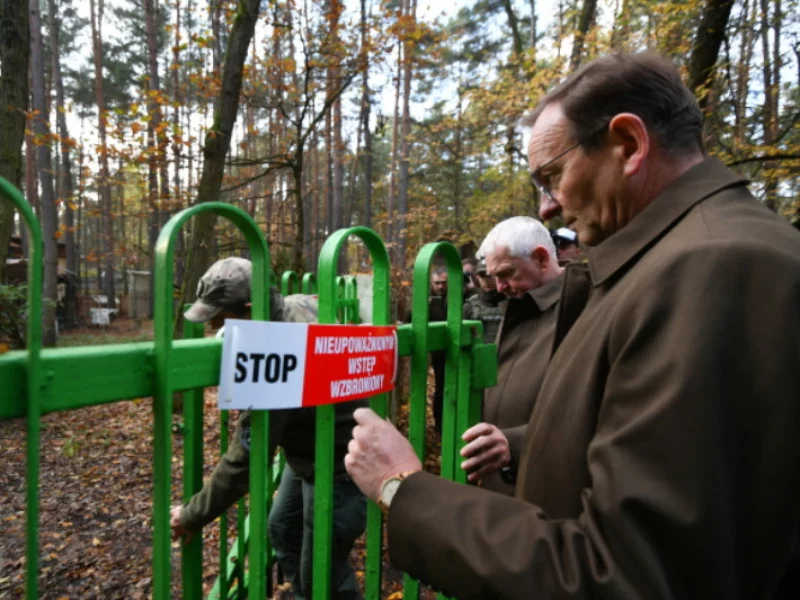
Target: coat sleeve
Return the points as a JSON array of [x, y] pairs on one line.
[[230, 479], [692, 442], [516, 439]]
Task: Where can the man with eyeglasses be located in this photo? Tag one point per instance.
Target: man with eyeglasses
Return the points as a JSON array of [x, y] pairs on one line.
[[661, 460]]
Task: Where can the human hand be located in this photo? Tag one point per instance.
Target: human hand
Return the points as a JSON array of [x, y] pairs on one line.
[[178, 530], [486, 451], [376, 452]]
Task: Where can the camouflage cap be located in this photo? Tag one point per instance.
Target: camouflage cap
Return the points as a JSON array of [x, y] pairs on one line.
[[481, 268], [225, 284], [300, 308]]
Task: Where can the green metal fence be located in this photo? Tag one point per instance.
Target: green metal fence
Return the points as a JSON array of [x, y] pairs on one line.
[[36, 382]]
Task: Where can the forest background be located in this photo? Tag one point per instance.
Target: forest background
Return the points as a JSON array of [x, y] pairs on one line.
[[314, 115]]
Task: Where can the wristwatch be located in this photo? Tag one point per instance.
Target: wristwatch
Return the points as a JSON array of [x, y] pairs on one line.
[[389, 488]]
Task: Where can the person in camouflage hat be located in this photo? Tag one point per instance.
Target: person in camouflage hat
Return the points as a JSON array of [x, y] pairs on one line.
[[487, 305], [224, 292]]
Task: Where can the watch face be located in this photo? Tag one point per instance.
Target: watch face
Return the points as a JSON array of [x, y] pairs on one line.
[[389, 490]]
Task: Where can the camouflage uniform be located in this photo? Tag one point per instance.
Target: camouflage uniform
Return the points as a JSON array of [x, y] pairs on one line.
[[487, 307], [226, 284]]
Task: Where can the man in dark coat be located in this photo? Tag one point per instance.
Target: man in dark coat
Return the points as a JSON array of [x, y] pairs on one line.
[[521, 258], [661, 460]]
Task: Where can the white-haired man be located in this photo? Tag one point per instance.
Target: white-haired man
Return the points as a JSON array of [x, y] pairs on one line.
[[521, 257]]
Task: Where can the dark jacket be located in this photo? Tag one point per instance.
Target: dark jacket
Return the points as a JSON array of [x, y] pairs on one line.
[[661, 460], [294, 430]]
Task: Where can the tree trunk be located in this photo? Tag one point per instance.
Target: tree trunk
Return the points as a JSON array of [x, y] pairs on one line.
[[104, 184], [585, 22], [217, 144], [708, 39], [771, 68], [123, 241], [391, 202], [513, 24], [14, 53], [68, 188], [366, 218], [402, 197], [44, 166]]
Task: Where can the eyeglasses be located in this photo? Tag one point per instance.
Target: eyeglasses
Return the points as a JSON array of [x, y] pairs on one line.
[[536, 177]]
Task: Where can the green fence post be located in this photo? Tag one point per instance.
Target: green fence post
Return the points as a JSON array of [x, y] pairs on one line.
[[162, 442], [419, 360], [290, 283], [192, 555], [33, 371], [323, 472], [309, 285]]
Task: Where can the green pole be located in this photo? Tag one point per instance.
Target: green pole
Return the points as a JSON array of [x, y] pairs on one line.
[[309, 285], [290, 283], [419, 359], [323, 472], [162, 442], [34, 383], [192, 555]]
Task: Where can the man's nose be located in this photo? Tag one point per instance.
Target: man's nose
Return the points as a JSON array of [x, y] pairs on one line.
[[502, 286], [548, 208]]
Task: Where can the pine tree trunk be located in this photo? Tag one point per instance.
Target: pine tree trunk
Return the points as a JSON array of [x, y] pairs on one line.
[[216, 146], [104, 184], [67, 187], [391, 201], [44, 166], [710, 33], [585, 22], [365, 114], [405, 151], [771, 70], [14, 53]]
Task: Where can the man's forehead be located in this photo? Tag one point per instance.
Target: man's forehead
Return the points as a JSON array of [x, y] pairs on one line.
[[547, 135], [499, 259]]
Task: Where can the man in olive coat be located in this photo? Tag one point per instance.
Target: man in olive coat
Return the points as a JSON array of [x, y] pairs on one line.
[[521, 257], [661, 460]]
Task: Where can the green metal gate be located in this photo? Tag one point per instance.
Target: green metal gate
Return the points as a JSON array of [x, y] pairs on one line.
[[37, 381]]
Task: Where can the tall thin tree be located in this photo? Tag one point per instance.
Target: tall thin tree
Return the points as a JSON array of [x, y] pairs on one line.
[[104, 185], [48, 211], [67, 186], [14, 53]]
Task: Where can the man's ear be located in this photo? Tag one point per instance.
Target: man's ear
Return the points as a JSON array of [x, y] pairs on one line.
[[541, 256], [631, 141]]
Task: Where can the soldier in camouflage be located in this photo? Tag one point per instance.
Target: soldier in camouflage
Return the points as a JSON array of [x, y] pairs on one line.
[[224, 292], [487, 305]]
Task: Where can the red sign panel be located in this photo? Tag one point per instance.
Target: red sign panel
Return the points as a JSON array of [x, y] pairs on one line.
[[347, 362]]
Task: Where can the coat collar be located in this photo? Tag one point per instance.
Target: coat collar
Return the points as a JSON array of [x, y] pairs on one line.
[[548, 294], [695, 185]]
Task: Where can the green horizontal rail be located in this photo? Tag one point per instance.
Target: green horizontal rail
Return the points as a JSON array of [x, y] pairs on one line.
[[90, 375]]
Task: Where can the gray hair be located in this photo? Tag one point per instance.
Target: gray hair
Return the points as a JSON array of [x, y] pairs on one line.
[[520, 235]]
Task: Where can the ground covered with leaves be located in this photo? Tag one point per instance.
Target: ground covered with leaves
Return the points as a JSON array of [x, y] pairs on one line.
[[95, 498]]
